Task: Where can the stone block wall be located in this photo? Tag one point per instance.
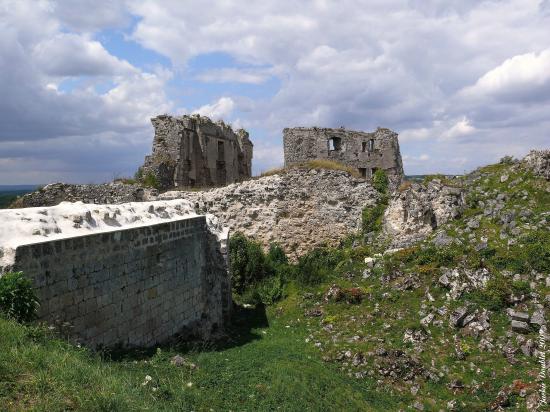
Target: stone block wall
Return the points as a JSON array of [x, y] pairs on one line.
[[136, 286], [363, 151], [193, 151]]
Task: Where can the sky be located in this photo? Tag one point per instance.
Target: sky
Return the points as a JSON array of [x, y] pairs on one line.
[[463, 82]]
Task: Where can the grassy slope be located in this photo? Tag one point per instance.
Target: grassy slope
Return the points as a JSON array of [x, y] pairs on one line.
[[262, 368], [309, 364], [382, 319]]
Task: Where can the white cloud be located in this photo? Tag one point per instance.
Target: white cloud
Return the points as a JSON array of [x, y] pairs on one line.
[[85, 110], [419, 134], [219, 110], [251, 76], [90, 15], [459, 129], [519, 75], [430, 70], [67, 54]]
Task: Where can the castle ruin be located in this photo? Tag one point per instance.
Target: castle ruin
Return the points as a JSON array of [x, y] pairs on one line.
[[193, 151], [366, 152]]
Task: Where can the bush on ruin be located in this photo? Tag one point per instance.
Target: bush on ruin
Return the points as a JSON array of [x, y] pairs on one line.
[[380, 181], [17, 298]]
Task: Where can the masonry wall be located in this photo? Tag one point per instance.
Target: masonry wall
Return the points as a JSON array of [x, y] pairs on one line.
[[135, 287], [364, 151], [193, 151]]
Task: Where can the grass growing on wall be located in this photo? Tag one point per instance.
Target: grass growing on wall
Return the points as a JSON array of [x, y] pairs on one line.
[[318, 164]]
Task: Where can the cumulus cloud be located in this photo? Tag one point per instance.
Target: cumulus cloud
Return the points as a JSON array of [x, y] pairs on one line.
[[463, 82], [219, 110], [80, 131], [67, 54], [250, 76], [90, 15], [521, 76], [459, 129]]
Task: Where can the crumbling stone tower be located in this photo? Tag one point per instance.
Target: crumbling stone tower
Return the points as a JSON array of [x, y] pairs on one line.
[[193, 151], [364, 151]]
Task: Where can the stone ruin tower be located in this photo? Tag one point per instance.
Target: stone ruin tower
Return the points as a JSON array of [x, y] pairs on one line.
[[193, 151], [363, 151]]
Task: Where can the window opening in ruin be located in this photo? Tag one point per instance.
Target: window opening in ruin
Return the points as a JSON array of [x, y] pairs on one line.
[[364, 146], [373, 171], [371, 145], [221, 151], [363, 172], [334, 144]]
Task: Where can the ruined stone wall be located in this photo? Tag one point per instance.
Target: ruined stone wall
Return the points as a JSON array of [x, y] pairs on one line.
[[107, 193], [300, 209], [193, 151], [364, 151], [134, 286]]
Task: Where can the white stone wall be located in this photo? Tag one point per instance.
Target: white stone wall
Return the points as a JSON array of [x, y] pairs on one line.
[[133, 285]]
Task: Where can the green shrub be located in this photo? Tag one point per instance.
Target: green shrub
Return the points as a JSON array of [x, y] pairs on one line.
[[248, 263], [316, 266], [532, 252], [371, 217], [537, 250], [380, 181], [17, 297], [151, 180], [352, 295], [432, 255], [270, 290], [521, 287], [497, 292], [276, 255], [139, 174]]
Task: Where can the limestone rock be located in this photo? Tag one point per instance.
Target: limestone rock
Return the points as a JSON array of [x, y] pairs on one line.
[[520, 316], [538, 161], [416, 212], [520, 327], [300, 209], [457, 317]]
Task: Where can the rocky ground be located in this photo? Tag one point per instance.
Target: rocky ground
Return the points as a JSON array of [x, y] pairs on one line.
[[457, 321]]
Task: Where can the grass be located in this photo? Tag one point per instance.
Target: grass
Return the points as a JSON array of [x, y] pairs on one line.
[[266, 365], [318, 164]]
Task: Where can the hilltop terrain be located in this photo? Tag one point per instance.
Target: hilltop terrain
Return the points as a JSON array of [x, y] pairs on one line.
[[434, 300]]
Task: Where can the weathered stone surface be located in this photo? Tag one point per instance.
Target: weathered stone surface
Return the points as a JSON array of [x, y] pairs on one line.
[[418, 210], [520, 327], [109, 193], [135, 283], [538, 318], [521, 316], [193, 151], [539, 162], [457, 317], [366, 152], [299, 209]]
